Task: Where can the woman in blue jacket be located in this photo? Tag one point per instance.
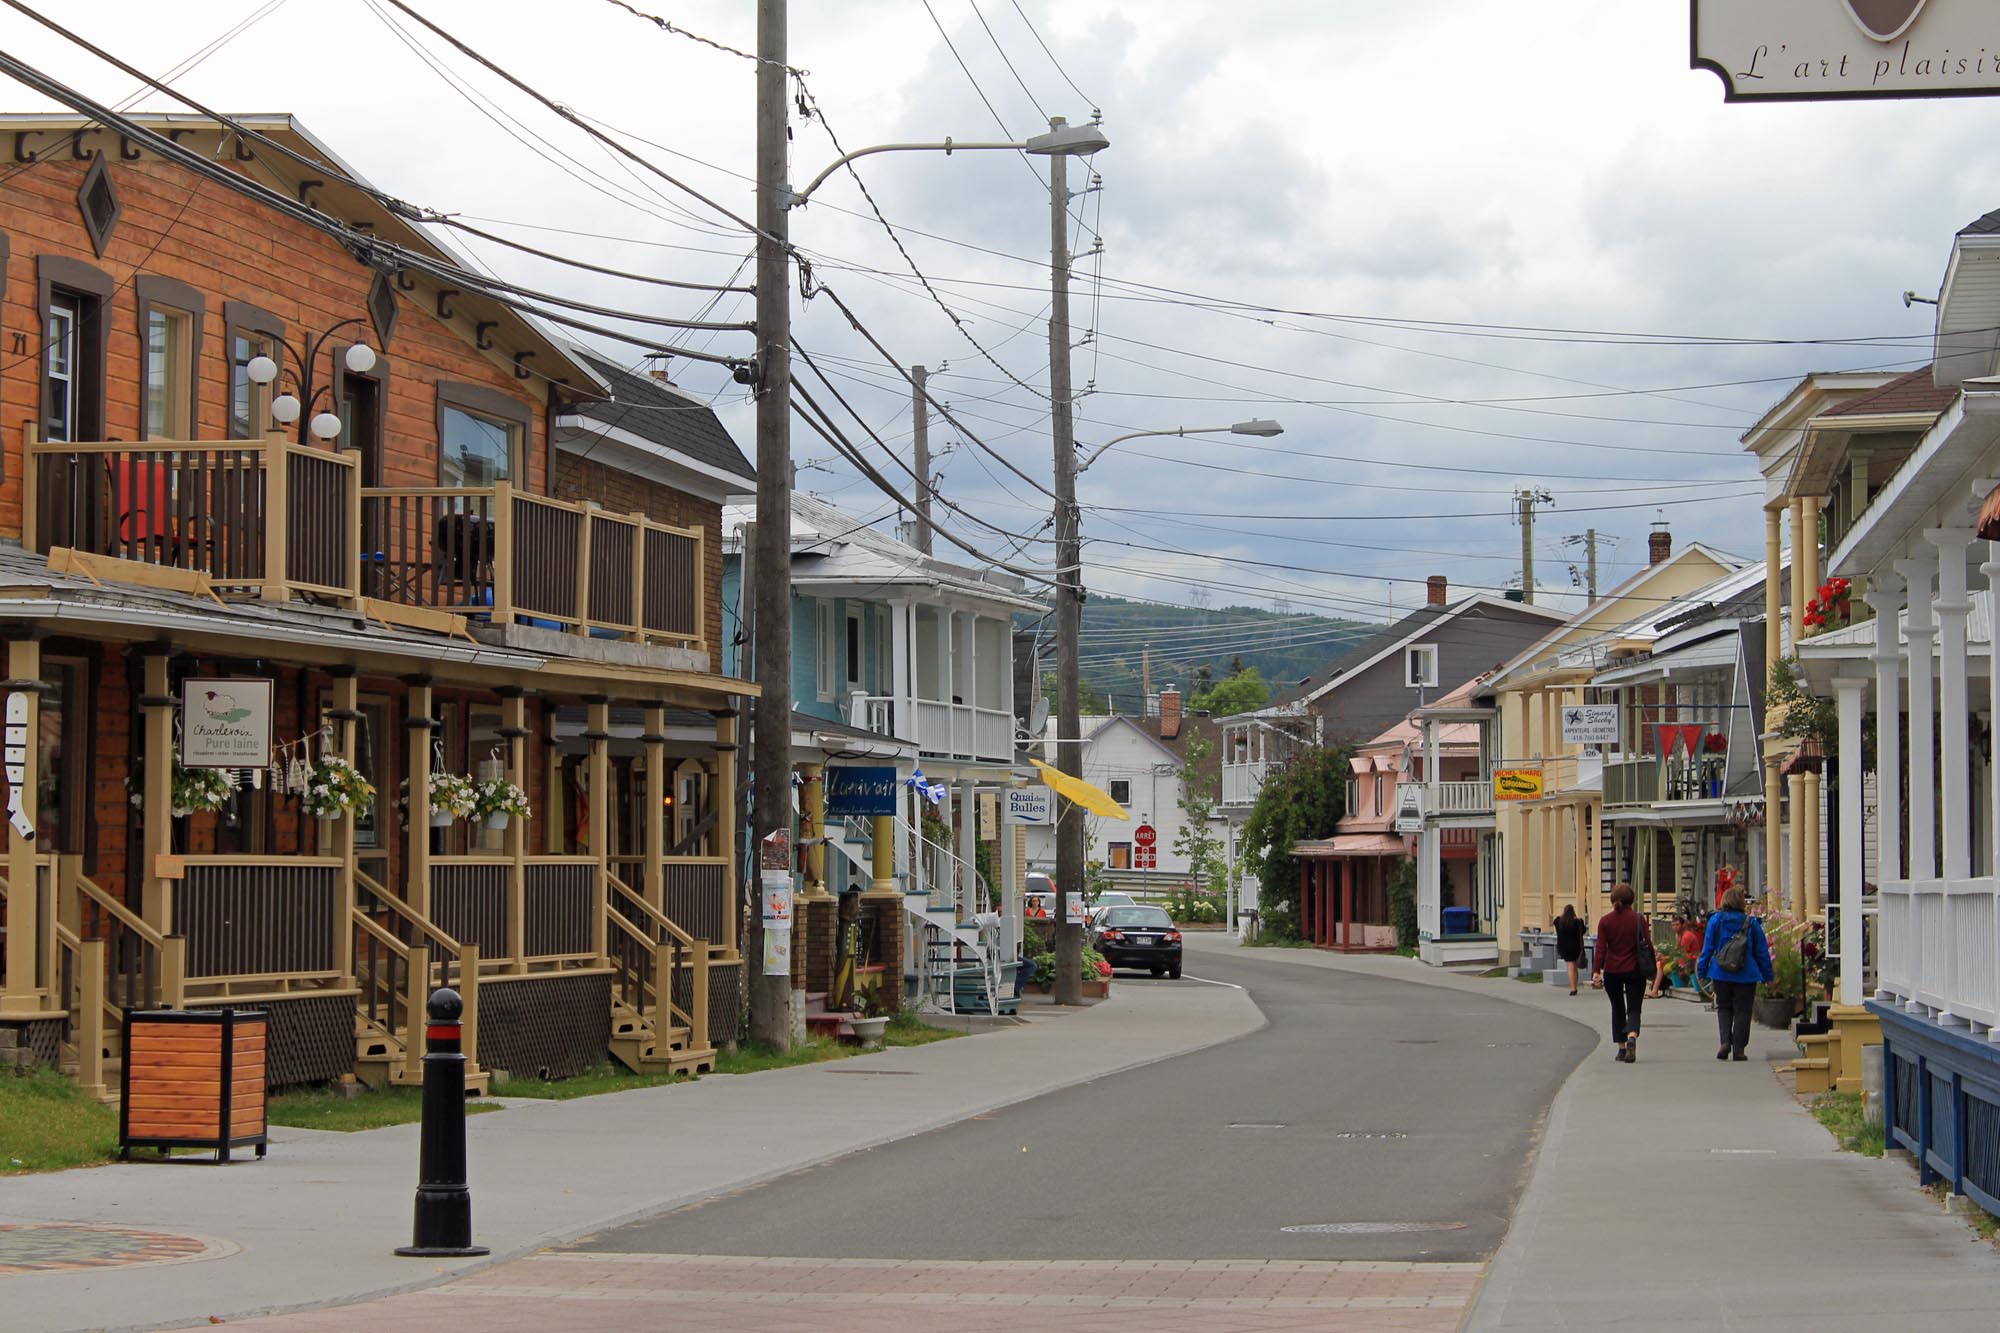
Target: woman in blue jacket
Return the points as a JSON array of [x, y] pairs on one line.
[[1735, 978]]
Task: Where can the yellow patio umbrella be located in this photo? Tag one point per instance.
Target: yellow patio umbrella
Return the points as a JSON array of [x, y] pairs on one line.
[[1079, 792]]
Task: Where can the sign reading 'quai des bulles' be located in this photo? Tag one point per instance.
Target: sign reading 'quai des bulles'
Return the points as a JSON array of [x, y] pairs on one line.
[[1823, 50], [225, 723]]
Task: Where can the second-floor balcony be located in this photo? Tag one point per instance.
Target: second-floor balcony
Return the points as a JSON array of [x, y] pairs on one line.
[[1241, 782], [940, 729], [1469, 797], [280, 520]]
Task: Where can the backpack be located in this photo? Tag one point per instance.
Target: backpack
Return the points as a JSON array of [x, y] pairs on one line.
[[1735, 955]]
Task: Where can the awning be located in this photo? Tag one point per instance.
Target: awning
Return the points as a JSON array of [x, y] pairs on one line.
[[1350, 845], [1079, 792], [1989, 516]]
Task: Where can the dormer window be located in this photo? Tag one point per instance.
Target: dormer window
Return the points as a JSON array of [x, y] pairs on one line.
[[1420, 666]]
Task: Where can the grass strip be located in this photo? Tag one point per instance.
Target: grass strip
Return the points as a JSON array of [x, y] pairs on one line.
[[1841, 1113], [48, 1124], [325, 1108]]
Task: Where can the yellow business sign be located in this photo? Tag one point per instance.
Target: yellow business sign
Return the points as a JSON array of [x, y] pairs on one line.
[[1517, 784]]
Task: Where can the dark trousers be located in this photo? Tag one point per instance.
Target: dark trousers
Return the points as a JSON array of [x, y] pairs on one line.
[[1732, 1012], [1627, 991]]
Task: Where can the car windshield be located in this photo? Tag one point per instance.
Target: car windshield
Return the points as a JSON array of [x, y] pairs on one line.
[[1151, 917], [1114, 900]]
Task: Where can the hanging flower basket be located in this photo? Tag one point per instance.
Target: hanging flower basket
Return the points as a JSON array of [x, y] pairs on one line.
[[199, 790], [497, 800], [335, 787], [452, 797]]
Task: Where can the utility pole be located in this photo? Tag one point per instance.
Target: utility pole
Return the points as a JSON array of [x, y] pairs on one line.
[[771, 799], [1590, 561], [1525, 500], [921, 420], [1069, 588]]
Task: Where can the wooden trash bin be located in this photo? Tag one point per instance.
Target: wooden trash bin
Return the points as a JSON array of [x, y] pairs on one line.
[[192, 1080]]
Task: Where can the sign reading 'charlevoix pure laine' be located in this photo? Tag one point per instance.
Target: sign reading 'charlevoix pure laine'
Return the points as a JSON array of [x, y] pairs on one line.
[[1824, 50], [226, 723]]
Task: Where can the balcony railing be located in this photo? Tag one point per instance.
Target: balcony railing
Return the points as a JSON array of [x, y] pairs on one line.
[[266, 516], [1242, 782], [495, 552], [1937, 943], [1632, 782], [947, 730], [1460, 798]]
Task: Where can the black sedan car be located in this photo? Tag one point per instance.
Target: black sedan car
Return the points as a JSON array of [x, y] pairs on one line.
[[1138, 937]]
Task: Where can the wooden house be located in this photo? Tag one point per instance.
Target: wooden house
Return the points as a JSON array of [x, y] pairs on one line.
[[416, 546]]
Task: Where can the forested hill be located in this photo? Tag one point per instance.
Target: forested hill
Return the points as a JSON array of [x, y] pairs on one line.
[[1193, 648]]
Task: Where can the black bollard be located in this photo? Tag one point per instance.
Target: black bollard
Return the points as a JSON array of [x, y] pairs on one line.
[[444, 1204]]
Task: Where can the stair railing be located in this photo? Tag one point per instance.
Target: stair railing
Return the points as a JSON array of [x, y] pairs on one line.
[[144, 966], [402, 956], [647, 948]]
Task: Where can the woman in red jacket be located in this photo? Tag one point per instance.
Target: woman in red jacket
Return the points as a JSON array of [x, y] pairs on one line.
[[1621, 965]]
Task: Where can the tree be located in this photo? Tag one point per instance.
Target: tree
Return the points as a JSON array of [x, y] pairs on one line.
[[1207, 857], [1241, 691], [1301, 800]]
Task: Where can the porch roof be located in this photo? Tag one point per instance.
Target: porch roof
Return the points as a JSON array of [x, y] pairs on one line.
[[1350, 844]]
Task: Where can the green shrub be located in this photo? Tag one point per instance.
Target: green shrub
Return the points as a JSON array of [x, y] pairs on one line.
[[1403, 904]]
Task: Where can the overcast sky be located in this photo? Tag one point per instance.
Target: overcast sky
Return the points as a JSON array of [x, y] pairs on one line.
[[1432, 180]]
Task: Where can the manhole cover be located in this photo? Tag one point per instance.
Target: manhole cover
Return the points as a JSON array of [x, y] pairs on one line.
[[1371, 1134], [1370, 1228], [37, 1247]]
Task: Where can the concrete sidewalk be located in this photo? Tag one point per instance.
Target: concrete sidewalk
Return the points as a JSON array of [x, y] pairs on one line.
[[316, 1222], [1684, 1192]]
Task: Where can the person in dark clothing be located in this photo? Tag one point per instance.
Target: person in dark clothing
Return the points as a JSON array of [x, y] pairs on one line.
[[1569, 941], [1619, 966], [1735, 987]]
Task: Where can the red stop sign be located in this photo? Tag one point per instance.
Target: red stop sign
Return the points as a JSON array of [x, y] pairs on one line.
[[1145, 835]]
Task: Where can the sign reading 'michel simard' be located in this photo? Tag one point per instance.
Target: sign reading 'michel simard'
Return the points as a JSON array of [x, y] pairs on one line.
[[1824, 50]]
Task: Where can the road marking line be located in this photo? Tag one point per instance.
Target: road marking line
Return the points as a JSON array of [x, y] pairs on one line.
[[1189, 976]]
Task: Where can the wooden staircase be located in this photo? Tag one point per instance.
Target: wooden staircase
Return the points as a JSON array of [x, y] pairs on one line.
[[637, 1044]]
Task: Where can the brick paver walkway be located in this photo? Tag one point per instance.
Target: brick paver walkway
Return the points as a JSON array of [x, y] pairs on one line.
[[725, 1292]]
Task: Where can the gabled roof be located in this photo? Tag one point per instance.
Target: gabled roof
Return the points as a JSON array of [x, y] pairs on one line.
[[650, 412], [1410, 629], [1192, 725], [833, 549]]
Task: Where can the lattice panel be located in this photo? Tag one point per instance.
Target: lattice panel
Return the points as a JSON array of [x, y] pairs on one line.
[[38, 1040], [552, 1026], [309, 1039], [1906, 1097], [726, 1001]]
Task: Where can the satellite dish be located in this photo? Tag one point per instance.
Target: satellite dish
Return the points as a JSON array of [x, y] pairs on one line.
[[1038, 715]]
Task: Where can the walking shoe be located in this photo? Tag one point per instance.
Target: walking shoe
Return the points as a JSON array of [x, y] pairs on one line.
[[1722, 1054], [1738, 1055], [1631, 1048]]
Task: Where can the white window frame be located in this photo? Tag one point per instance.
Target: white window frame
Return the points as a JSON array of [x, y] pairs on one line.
[[1115, 784], [854, 647], [63, 316], [826, 659], [1420, 666]]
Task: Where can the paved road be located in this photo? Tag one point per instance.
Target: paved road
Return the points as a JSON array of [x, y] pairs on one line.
[[1364, 1101]]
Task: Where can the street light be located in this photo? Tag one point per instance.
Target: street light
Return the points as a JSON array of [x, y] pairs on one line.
[[1061, 140], [1256, 426], [771, 554], [287, 409]]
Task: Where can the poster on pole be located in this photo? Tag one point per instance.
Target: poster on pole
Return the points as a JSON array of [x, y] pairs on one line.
[[1076, 915], [775, 893]]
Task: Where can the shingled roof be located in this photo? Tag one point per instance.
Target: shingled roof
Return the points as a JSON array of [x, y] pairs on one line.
[[1914, 392], [661, 414]]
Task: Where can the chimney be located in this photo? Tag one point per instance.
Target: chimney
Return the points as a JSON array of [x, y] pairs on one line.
[[1659, 544], [1170, 712], [1437, 586]]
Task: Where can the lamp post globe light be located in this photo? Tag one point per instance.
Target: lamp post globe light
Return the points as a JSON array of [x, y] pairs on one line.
[[770, 544]]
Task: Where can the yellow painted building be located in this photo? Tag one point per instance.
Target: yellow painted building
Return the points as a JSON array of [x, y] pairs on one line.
[[1551, 844]]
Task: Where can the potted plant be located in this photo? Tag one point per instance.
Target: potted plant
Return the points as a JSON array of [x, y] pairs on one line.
[[873, 1021], [1778, 999], [452, 797], [199, 790], [497, 800], [1714, 767], [335, 787], [1096, 975]]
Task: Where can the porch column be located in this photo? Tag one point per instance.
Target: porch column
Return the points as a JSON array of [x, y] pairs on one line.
[[812, 831], [901, 688], [1305, 899], [653, 821], [346, 719], [1799, 593], [514, 731], [418, 725], [1774, 592], [598, 733], [159, 705], [967, 829], [1347, 906], [1430, 865], [1809, 830], [1010, 879], [1849, 696], [1953, 605], [1795, 888], [725, 828], [24, 929], [1809, 543], [1991, 569], [1917, 572], [966, 676]]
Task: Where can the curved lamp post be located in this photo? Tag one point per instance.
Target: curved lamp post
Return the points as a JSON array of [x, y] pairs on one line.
[[1255, 426]]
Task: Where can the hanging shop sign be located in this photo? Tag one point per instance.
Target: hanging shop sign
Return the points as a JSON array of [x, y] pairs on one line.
[[1590, 724], [1830, 50], [1517, 784], [1033, 806], [1409, 808], [226, 723], [860, 792]]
